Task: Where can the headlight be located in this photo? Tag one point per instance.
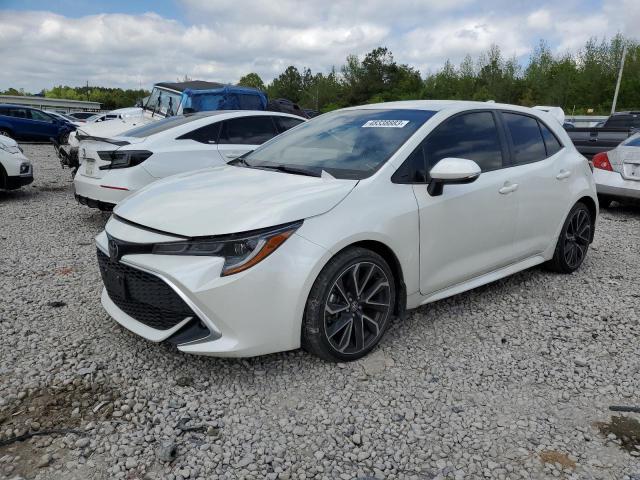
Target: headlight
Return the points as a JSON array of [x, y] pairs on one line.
[[240, 251], [10, 148], [123, 159]]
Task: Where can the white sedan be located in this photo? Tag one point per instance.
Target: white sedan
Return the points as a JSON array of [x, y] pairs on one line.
[[319, 237], [617, 172], [112, 169], [15, 169]]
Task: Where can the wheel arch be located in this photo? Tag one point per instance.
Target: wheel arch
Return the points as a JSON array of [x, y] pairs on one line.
[[392, 260], [593, 211]]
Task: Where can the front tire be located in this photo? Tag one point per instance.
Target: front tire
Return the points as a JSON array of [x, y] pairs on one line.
[[350, 306], [573, 242]]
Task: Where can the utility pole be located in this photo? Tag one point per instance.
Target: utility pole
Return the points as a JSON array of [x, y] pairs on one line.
[[615, 95], [87, 90]]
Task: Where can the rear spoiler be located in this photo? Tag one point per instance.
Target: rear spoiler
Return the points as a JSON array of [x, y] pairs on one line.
[[120, 143]]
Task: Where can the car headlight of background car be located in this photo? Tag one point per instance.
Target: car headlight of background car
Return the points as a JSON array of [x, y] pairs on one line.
[[123, 159], [10, 148], [240, 251]]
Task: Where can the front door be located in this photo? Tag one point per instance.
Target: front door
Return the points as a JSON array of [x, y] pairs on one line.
[[469, 229]]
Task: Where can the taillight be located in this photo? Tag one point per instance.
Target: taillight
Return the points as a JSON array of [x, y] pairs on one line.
[[601, 161], [123, 158]]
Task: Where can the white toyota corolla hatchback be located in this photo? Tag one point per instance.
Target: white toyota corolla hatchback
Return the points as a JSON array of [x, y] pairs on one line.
[[112, 169], [318, 237]]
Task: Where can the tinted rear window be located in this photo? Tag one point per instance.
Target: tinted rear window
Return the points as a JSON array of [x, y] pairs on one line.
[[550, 140], [162, 125]]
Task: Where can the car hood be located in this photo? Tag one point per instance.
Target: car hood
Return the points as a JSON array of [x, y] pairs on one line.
[[228, 199], [110, 128]]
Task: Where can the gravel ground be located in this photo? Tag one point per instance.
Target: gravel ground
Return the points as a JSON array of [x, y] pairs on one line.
[[512, 380]]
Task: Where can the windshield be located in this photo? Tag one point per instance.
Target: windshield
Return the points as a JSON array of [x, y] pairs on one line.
[[350, 144], [164, 124], [163, 102]]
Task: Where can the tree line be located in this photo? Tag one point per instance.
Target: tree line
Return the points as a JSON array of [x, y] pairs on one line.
[[581, 83]]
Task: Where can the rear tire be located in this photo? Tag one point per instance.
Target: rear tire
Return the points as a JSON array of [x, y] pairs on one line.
[[349, 307], [5, 133], [573, 242], [604, 201]]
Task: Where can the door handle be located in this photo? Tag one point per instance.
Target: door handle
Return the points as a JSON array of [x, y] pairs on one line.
[[508, 188], [563, 174], [231, 156]]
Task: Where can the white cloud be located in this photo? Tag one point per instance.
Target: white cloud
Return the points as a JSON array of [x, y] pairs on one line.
[[225, 39]]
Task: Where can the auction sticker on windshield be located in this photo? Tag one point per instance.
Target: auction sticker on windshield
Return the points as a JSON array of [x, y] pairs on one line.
[[385, 124]]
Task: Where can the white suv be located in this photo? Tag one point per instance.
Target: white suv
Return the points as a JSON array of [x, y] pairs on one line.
[[112, 169], [318, 237], [15, 169]]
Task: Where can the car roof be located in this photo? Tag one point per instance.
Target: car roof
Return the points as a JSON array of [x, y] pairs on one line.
[[13, 105], [442, 105]]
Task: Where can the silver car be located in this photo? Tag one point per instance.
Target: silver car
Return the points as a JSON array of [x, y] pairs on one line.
[[617, 172]]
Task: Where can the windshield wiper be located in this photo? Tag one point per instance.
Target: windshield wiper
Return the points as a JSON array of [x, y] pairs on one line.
[[290, 169]]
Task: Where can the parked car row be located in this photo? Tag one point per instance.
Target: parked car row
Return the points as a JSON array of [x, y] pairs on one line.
[[241, 233], [169, 99]]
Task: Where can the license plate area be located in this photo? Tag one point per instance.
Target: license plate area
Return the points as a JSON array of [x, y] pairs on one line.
[[632, 171], [116, 284]]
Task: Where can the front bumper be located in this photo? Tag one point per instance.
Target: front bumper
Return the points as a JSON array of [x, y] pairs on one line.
[[17, 181], [255, 312], [614, 185]]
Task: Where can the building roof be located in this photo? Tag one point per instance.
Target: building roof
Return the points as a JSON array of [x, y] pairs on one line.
[[48, 102]]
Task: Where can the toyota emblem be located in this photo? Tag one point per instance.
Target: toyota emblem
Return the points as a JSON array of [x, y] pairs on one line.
[[113, 251]]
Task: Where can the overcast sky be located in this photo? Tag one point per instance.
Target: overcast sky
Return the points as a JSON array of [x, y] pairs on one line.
[[138, 43]]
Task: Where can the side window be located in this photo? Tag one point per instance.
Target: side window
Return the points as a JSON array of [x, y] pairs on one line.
[[18, 112], [414, 168], [42, 117], [473, 136], [528, 145], [551, 142], [247, 130], [206, 134], [285, 123]]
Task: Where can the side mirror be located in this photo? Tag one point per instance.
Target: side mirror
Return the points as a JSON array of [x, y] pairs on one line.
[[452, 171]]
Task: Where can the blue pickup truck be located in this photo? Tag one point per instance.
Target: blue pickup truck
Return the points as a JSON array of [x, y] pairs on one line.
[[25, 123]]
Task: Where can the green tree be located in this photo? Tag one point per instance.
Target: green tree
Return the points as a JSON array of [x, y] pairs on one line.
[[252, 80]]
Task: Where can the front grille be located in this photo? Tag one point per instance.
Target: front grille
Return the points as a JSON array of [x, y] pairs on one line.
[[142, 296]]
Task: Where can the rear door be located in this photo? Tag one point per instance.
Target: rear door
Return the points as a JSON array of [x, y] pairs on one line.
[[244, 134], [539, 164], [468, 230], [190, 151]]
